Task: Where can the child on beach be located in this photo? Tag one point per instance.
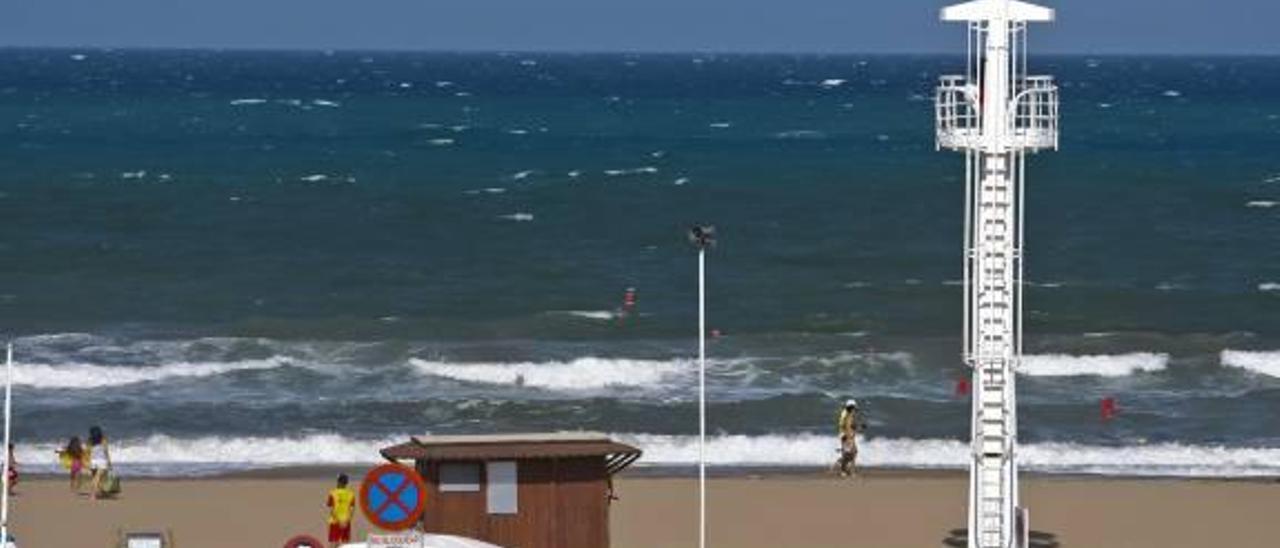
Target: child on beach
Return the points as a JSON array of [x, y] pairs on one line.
[[72, 458], [99, 460], [341, 503]]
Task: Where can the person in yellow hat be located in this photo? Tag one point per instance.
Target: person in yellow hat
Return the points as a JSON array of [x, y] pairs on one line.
[[341, 503]]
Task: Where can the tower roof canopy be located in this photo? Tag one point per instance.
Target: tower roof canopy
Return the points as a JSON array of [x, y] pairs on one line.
[[1009, 10]]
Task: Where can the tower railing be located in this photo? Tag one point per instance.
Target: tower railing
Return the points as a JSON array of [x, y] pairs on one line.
[[1033, 124]]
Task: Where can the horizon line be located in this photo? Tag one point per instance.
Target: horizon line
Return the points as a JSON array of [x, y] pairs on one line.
[[568, 51]]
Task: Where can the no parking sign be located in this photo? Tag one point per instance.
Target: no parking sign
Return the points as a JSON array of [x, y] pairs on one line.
[[393, 497]]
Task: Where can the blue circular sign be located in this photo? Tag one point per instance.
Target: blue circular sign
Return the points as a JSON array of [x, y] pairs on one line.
[[393, 497]]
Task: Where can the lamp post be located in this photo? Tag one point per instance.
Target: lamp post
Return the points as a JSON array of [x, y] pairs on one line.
[[8, 465], [703, 238]]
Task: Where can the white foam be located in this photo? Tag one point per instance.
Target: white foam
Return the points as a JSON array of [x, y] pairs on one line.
[[84, 375], [326, 103], [167, 455], [800, 134], [1116, 365], [832, 82], [522, 175], [79, 57], [134, 174], [1261, 203], [588, 373], [591, 314], [1172, 93], [313, 178], [1264, 362], [720, 125], [681, 181], [1269, 286], [520, 217], [441, 142], [250, 101], [630, 171], [1167, 459], [488, 190]]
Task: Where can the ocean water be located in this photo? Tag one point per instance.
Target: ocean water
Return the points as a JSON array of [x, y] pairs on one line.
[[246, 259]]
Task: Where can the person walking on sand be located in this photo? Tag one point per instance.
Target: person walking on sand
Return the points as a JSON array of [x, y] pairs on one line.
[[341, 503], [848, 426], [99, 460], [72, 458]]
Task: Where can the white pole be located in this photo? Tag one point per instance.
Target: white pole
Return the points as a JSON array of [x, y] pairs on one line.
[[8, 414], [702, 398]]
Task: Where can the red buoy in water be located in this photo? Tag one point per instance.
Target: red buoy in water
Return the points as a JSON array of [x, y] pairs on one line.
[[1107, 408], [962, 387]]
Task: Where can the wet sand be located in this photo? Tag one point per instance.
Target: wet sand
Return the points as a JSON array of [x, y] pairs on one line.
[[881, 510]]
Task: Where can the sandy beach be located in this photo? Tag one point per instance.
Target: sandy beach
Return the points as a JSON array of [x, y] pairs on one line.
[[884, 509]]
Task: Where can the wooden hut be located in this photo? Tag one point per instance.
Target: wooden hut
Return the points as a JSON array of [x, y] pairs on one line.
[[518, 491]]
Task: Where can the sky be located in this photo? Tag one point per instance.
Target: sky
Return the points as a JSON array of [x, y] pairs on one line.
[[884, 26]]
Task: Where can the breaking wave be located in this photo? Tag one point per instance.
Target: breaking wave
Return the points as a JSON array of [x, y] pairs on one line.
[[580, 374], [1266, 363], [83, 375], [162, 455], [1166, 459], [1118, 365]]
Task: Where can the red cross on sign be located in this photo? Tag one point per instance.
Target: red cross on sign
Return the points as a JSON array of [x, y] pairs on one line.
[[393, 497]]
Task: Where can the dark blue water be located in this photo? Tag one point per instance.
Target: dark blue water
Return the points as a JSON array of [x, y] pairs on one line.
[[213, 252]]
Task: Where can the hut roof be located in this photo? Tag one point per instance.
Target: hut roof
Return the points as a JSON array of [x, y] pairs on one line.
[[515, 446]]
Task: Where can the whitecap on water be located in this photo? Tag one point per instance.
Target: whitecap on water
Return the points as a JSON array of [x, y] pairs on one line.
[[518, 217], [440, 142], [1103, 365], [1261, 203], [326, 103], [313, 178], [832, 83], [800, 134], [630, 171], [587, 373], [1262, 362], [720, 125], [1171, 93], [522, 175], [681, 181], [247, 101]]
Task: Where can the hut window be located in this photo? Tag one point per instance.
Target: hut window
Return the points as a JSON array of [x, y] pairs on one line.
[[501, 486], [459, 477]]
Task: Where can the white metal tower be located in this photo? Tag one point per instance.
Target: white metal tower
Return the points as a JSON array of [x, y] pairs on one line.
[[995, 113]]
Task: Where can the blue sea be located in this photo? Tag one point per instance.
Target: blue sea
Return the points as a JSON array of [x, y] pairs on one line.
[[238, 260]]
